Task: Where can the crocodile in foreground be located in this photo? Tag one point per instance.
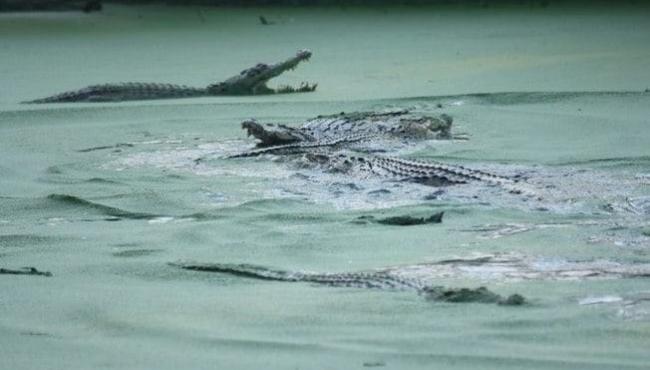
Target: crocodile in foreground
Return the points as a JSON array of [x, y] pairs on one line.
[[251, 81], [396, 124], [370, 280], [342, 143], [422, 277]]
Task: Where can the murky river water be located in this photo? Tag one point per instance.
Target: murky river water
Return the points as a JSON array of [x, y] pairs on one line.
[[104, 196]]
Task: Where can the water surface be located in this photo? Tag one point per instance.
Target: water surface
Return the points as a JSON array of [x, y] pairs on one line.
[[106, 195]]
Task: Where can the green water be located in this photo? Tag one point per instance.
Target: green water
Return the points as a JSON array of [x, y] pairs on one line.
[[106, 222]]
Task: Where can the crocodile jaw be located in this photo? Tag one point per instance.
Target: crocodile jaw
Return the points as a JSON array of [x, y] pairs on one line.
[[267, 72], [252, 81], [272, 134]]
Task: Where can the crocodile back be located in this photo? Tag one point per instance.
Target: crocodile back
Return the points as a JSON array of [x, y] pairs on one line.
[[123, 92], [391, 124]]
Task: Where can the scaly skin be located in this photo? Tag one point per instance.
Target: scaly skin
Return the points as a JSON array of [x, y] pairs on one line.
[[383, 280], [389, 167], [324, 138], [251, 81], [400, 124], [425, 172], [305, 146], [499, 267], [328, 141]]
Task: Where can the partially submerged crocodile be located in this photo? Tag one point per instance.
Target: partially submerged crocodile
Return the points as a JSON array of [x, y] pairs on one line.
[[370, 280], [336, 142], [421, 278], [396, 124], [251, 81]]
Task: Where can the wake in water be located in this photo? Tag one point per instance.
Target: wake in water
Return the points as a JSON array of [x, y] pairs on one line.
[[504, 267], [612, 201], [424, 278], [563, 189], [607, 191], [608, 194]]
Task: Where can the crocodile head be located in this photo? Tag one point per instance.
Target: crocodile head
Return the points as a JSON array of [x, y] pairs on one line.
[[253, 80], [397, 124], [425, 127], [271, 134]]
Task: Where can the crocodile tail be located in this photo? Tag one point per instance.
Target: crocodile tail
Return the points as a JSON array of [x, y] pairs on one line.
[[422, 170], [244, 270], [428, 173], [463, 173], [68, 96], [123, 92], [369, 280], [86, 94]]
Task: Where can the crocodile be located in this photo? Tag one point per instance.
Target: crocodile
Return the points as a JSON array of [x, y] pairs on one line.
[[400, 123], [335, 142], [421, 278], [369, 280], [251, 81]]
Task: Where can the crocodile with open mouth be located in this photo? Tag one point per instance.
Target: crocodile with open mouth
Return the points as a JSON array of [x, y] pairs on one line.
[[336, 142], [251, 81]]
